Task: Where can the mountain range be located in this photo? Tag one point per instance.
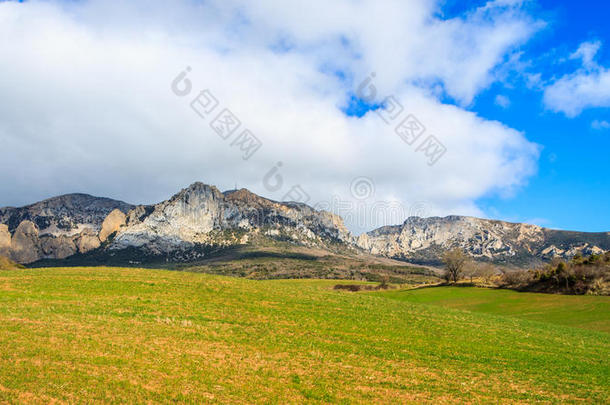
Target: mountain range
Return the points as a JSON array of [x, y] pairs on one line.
[[200, 221]]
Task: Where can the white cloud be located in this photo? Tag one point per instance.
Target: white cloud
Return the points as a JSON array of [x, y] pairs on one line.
[[588, 87], [600, 125], [502, 101], [586, 53], [85, 100]]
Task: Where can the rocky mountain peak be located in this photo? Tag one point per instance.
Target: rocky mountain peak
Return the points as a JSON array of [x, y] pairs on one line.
[[63, 214], [200, 216], [57, 227], [246, 196], [423, 240], [197, 190]]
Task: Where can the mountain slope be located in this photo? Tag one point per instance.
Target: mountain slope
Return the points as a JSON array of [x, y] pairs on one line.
[[423, 240], [55, 228], [63, 214], [188, 227], [200, 221], [201, 216]]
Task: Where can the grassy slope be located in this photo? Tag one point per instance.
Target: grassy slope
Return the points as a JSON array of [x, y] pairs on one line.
[[328, 267], [583, 311], [7, 264], [87, 335], [264, 258]]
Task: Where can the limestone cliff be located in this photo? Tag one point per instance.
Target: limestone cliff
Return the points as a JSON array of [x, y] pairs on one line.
[[423, 240], [201, 217], [55, 228]]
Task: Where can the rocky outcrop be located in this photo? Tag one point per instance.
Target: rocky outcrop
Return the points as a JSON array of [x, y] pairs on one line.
[[201, 215], [87, 241], [25, 243], [113, 222], [56, 228], [198, 216], [64, 215], [5, 240], [423, 240], [58, 247]]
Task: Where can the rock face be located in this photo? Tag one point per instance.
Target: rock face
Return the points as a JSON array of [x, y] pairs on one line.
[[63, 215], [5, 240], [198, 216], [423, 240], [25, 243], [112, 224], [201, 215], [55, 228]]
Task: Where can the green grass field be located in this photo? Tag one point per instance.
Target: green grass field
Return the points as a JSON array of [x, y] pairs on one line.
[[135, 336], [581, 311]]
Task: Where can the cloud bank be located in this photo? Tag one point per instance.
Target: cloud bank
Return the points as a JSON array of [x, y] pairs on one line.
[[86, 102], [588, 87]]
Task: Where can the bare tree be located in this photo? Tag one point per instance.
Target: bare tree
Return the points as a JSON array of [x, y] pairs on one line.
[[485, 271], [470, 271], [454, 260]]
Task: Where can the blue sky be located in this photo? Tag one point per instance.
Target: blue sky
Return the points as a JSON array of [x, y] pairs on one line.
[[517, 92], [571, 189]]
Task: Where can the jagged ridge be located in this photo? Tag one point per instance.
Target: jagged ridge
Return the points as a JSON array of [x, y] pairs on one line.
[[196, 217], [422, 240], [200, 216]]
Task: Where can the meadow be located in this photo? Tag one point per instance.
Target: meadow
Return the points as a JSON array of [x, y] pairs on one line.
[[112, 335], [580, 311]]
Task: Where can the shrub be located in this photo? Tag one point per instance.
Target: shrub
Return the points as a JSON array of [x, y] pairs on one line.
[[517, 279], [580, 275], [348, 287]]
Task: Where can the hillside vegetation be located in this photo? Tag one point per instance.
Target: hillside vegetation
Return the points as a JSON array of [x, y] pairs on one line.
[[302, 264], [580, 275], [85, 335], [269, 259], [7, 264]]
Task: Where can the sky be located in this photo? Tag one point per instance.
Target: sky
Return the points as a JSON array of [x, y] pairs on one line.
[[375, 110]]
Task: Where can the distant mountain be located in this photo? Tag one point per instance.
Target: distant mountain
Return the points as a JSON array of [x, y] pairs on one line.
[[55, 228], [200, 216], [423, 240], [183, 228], [201, 221]]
